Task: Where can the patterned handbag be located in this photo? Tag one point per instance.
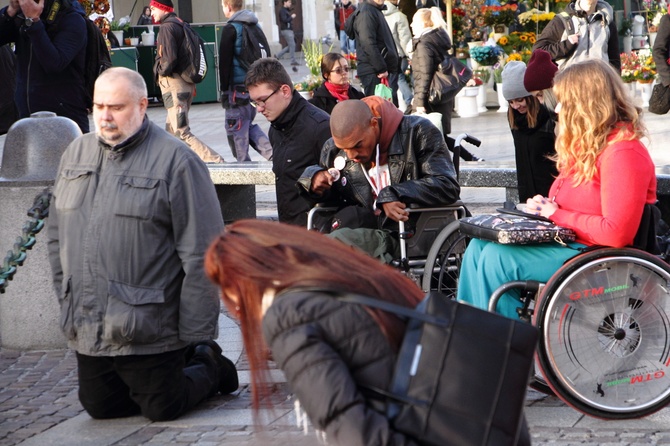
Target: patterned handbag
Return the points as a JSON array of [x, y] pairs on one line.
[[659, 102], [510, 229]]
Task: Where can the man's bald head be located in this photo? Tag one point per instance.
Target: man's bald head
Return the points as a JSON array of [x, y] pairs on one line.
[[349, 116]]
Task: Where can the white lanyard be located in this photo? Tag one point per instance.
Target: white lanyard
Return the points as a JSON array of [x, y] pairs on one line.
[[377, 188]]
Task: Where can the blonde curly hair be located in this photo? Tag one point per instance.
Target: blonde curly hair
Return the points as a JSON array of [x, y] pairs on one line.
[[595, 112]]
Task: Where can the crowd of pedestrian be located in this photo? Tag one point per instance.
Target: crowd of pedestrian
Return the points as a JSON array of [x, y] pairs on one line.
[[135, 229]]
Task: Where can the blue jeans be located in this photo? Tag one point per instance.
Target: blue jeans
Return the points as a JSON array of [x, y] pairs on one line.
[[403, 86], [346, 44], [290, 40], [242, 132]]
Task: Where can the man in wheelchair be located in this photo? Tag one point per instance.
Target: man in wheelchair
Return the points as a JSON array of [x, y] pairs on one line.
[[605, 179], [377, 163]]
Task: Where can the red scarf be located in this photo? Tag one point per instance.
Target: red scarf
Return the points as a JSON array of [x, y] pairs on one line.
[[339, 92]]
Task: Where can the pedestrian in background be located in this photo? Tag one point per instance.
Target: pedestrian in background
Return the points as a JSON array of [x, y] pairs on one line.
[[298, 130], [177, 92], [375, 48], [539, 79], [336, 86], [286, 29], [50, 38], [402, 35], [532, 126], [661, 51], [132, 213], [588, 31], [8, 113], [145, 18], [343, 9], [240, 114]]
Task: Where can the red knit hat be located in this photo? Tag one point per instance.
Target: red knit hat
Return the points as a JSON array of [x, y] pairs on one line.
[[540, 71], [163, 5]]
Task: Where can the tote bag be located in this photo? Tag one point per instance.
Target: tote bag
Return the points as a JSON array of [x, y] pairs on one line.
[[461, 373], [450, 78], [659, 103]]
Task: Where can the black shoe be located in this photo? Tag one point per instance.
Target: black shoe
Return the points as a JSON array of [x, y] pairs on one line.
[[295, 69], [226, 370]]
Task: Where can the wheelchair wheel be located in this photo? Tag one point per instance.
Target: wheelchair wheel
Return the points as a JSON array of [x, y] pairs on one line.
[[605, 333], [443, 263]]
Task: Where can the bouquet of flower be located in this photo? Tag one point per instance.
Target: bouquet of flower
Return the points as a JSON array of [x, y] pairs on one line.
[[646, 71], [309, 84], [499, 15], [629, 64], [351, 58], [516, 41], [535, 20], [486, 55], [95, 6], [653, 27], [520, 56], [483, 74], [458, 23]]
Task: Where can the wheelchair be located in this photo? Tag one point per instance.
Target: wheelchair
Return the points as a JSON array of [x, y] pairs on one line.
[[417, 239], [604, 322]]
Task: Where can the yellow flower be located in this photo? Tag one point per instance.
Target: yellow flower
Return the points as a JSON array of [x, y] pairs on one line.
[[514, 56], [503, 40], [532, 40], [523, 37]]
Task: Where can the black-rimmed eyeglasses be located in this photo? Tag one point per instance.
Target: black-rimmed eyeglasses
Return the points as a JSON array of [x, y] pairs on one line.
[[261, 102]]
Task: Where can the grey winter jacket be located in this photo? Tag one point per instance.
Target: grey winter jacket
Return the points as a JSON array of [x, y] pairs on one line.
[[399, 26], [598, 36], [126, 237], [328, 348]]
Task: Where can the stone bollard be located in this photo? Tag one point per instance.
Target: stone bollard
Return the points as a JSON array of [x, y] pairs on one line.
[[29, 311]]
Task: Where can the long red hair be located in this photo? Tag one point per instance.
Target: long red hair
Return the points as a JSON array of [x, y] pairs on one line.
[[253, 256]]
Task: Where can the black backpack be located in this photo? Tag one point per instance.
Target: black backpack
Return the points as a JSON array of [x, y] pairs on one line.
[[254, 44], [97, 58], [192, 53]]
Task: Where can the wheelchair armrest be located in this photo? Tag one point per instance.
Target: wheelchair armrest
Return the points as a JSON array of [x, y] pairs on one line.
[[319, 207]]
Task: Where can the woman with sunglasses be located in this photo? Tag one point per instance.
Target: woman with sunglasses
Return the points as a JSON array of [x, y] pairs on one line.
[[336, 86]]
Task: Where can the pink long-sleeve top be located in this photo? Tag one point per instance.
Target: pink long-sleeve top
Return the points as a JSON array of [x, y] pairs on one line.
[[607, 210]]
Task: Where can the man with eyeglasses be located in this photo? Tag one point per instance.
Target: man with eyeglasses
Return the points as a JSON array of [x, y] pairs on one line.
[[298, 131]]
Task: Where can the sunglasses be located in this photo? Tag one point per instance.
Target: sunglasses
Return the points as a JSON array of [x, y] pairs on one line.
[[341, 70]]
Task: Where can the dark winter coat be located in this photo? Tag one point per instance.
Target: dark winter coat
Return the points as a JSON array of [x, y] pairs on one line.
[[534, 171], [50, 63], [661, 50], [421, 170], [328, 348], [554, 37], [231, 72], [375, 47], [169, 41], [326, 101], [285, 19], [297, 137]]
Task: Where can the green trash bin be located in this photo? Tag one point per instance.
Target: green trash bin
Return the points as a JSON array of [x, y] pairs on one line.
[[125, 57]]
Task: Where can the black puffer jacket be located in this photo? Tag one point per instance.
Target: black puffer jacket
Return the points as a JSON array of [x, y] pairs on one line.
[[375, 47], [326, 101], [297, 137], [327, 348], [430, 49], [421, 170]]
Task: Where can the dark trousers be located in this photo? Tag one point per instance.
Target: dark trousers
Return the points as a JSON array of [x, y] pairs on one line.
[[160, 387], [370, 81]]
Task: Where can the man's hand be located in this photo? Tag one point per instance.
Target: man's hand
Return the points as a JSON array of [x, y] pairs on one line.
[[574, 39], [383, 75], [395, 210], [321, 182], [31, 9]]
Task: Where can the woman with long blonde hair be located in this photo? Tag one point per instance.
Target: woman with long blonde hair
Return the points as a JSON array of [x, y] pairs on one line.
[[605, 179], [281, 282]]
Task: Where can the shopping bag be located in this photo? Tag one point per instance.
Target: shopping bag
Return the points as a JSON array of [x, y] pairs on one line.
[[449, 79], [659, 103], [383, 90]]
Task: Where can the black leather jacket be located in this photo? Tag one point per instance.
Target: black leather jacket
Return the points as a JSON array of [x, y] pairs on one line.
[[421, 170]]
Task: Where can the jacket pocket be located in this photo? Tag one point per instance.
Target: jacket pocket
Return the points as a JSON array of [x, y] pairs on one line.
[[133, 314], [136, 197], [71, 188], [67, 310]]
